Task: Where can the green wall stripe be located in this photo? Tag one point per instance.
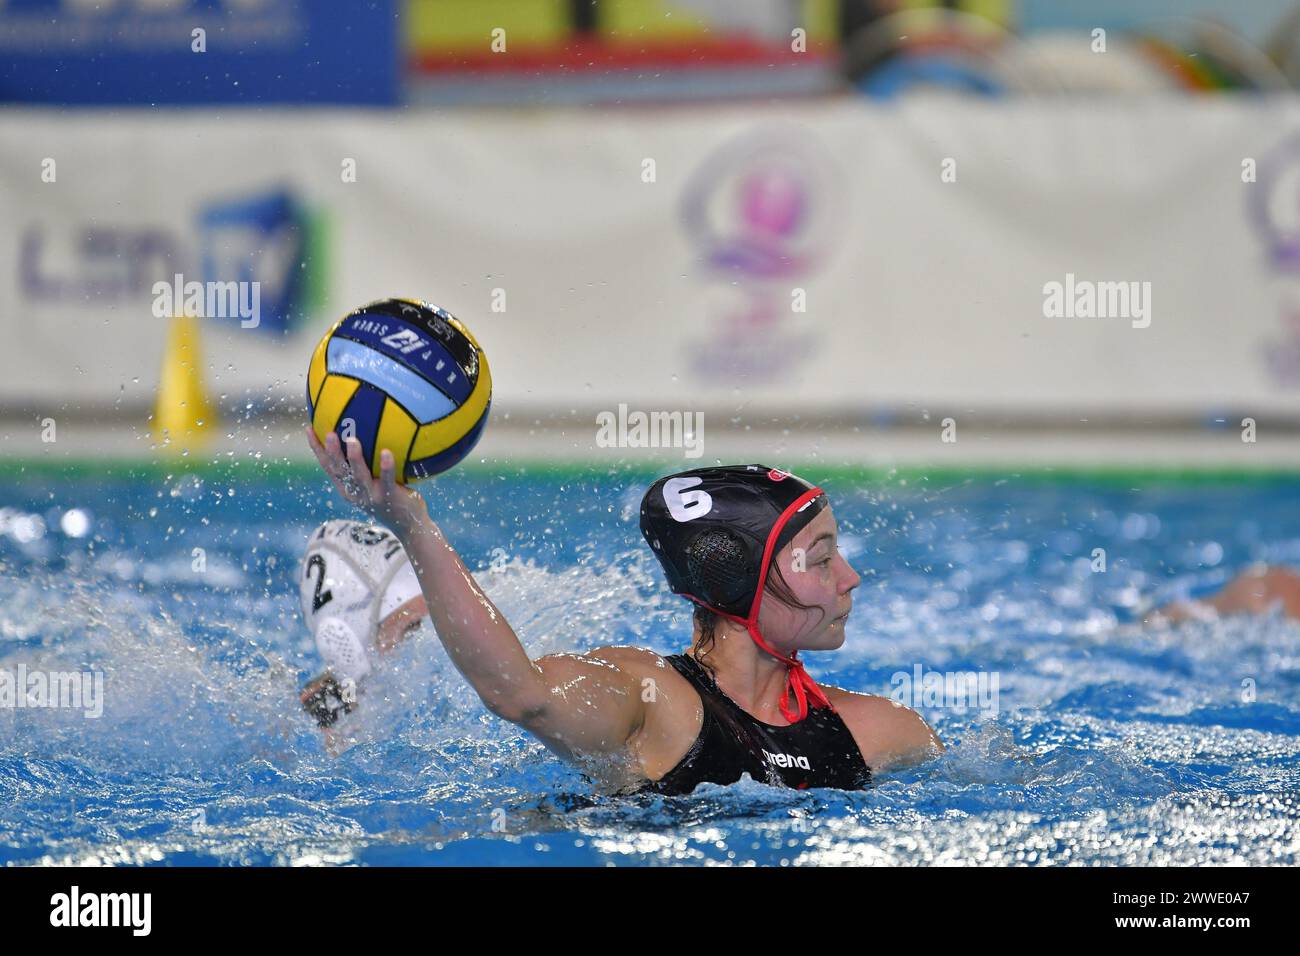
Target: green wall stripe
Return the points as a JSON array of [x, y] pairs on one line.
[[47, 467]]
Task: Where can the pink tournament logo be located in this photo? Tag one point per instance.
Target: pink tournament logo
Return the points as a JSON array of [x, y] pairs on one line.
[[761, 212], [1275, 210]]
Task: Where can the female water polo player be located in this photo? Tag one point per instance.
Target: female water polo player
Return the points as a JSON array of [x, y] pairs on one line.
[[755, 549]]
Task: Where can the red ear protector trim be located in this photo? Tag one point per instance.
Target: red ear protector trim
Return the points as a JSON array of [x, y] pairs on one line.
[[775, 533], [797, 681]]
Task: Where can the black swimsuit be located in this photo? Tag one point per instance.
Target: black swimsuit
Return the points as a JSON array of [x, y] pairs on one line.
[[819, 751]]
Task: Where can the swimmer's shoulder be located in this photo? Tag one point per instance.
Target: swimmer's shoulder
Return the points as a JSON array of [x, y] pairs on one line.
[[652, 672], [888, 733], [631, 659], [672, 708]]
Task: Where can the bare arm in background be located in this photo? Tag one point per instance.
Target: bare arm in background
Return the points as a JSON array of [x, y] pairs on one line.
[[1254, 591]]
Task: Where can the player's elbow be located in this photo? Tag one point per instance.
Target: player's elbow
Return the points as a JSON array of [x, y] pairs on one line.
[[523, 713]]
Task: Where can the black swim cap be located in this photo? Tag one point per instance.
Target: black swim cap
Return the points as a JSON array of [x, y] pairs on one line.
[[712, 529]]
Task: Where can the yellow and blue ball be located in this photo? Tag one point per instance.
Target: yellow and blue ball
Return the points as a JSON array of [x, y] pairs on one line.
[[403, 375]]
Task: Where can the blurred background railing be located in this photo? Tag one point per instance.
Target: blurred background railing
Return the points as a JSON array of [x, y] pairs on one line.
[[610, 51], [844, 214]]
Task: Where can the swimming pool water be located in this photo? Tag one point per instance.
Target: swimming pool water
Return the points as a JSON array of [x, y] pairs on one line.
[[1109, 742]]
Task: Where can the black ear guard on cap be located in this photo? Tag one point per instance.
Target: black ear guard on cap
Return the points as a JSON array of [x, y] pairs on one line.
[[709, 528], [719, 568]]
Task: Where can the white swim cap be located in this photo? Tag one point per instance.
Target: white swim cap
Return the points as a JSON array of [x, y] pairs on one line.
[[352, 577]]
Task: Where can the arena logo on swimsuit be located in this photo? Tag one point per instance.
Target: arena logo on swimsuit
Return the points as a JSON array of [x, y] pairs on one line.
[[787, 760]]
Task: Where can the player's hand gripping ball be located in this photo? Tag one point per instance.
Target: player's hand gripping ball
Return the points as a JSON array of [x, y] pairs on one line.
[[402, 375]]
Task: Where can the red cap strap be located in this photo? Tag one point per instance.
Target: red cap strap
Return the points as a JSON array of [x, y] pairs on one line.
[[797, 680]]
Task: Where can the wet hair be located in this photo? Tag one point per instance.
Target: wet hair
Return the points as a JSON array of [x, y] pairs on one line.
[[707, 620]]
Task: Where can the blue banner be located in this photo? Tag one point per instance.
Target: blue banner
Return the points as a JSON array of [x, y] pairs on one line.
[[178, 52]]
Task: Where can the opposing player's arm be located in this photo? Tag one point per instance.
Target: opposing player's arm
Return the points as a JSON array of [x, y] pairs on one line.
[[593, 701]]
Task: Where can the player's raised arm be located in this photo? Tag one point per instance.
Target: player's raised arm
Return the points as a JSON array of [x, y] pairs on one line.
[[574, 704]]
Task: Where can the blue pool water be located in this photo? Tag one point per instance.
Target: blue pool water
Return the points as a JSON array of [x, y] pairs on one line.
[[1108, 742]]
